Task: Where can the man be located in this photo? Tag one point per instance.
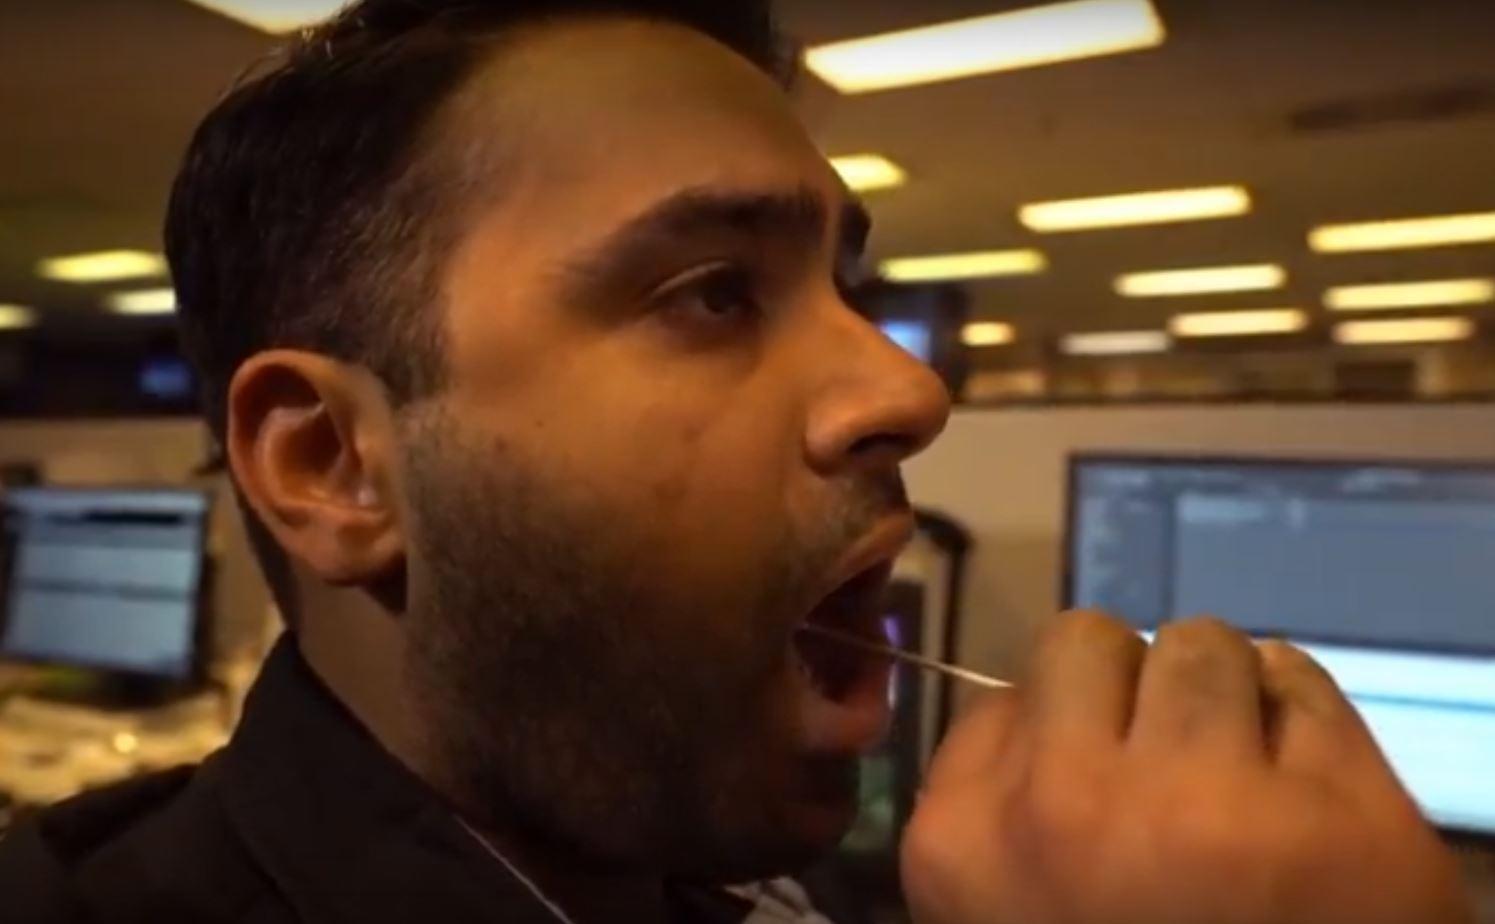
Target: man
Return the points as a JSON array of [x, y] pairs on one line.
[[521, 327]]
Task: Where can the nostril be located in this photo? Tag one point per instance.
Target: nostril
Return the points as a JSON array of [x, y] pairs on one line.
[[882, 444]]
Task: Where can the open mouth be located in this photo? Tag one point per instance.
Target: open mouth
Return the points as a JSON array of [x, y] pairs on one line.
[[835, 670]]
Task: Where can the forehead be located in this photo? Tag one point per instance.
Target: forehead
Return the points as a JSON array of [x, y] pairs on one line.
[[595, 119]]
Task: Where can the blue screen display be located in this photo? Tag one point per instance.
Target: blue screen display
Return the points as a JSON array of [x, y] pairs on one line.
[[914, 336], [166, 379]]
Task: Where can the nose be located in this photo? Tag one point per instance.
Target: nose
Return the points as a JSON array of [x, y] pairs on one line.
[[876, 406]]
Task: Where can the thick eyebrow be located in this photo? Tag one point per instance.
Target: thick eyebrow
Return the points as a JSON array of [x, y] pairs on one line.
[[795, 217]]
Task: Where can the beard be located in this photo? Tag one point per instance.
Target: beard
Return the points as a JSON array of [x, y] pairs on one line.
[[570, 698]]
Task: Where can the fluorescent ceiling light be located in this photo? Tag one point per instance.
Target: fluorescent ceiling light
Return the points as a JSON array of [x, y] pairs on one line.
[[965, 266], [1116, 343], [988, 44], [275, 16], [1148, 208], [145, 301], [1204, 281], [1239, 323], [1405, 234], [15, 317], [869, 172], [1411, 295], [103, 266], [987, 334], [1419, 330]]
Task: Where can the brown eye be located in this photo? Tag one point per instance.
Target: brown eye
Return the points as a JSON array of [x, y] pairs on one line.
[[721, 296]]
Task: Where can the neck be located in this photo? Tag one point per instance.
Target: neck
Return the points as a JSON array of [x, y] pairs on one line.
[[583, 896], [358, 652]]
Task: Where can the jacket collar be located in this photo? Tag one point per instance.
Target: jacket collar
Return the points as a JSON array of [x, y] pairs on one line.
[[347, 833]]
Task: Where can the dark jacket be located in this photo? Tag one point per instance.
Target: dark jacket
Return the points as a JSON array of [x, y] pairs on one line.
[[303, 817]]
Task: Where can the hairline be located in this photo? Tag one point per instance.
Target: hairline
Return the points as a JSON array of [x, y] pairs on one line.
[[467, 179]]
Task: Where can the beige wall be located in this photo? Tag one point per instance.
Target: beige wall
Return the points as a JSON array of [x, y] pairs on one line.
[[1001, 472], [153, 452]]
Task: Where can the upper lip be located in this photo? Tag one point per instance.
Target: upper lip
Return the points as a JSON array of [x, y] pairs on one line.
[[878, 546]]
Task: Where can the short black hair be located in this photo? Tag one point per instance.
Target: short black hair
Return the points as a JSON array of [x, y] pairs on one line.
[[310, 211]]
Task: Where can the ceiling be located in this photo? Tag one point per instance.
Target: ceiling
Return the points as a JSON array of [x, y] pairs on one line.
[[1326, 110]]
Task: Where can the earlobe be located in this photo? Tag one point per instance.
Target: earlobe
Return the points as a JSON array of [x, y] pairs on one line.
[[310, 442]]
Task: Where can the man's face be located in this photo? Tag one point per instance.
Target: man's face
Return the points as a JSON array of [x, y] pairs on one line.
[[667, 442]]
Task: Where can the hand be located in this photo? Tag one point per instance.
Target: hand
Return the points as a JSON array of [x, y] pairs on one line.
[[1202, 780]]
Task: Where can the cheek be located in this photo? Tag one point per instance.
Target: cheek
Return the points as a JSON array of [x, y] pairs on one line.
[[719, 486], [711, 463], [698, 476]]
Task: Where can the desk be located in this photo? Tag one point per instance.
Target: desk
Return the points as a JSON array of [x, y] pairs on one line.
[[50, 751]]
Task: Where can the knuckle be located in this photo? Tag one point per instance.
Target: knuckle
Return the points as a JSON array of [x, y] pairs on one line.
[[1201, 643], [1216, 628], [1091, 628], [1083, 622], [1284, 658], [1294, 678], [1208, 630], [1295, 673], [1276, 651]]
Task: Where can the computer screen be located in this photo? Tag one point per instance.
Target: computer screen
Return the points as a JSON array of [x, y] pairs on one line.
[[1384, 572], [104, 579], [166, 378], [916, 336]]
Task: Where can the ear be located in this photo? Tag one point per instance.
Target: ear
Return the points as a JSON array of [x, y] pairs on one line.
[[311, 443]]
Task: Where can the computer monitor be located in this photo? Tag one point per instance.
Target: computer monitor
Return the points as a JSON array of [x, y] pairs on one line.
[[914, 335], [106, 579], [1384, 572], [925, 319]]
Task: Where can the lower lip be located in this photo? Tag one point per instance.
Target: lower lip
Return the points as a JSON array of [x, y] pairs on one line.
[[854, 723]]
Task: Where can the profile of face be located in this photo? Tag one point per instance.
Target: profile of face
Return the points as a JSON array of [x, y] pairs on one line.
[[665, 442]]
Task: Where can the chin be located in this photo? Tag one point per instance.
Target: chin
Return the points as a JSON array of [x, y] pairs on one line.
[[820, 832], [783, 836], [828, 799], [769, 858]]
